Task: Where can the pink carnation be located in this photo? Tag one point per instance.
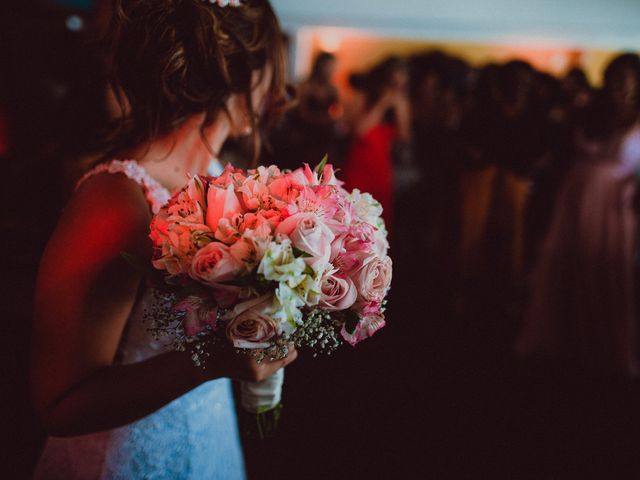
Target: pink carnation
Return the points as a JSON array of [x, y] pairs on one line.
[[198, 314], [365, 328]]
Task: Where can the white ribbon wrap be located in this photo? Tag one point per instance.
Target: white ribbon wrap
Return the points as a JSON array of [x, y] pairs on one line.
[[260, 396]]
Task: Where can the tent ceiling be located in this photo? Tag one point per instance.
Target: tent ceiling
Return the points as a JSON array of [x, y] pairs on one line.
[[581, 23]]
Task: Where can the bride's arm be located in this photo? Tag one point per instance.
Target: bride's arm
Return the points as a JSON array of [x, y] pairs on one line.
[[85, 293]]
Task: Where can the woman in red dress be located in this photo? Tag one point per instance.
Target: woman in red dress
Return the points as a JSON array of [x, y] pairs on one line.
[[380, 120]]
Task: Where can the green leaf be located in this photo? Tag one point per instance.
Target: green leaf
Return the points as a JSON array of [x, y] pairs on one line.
[[351, 322], [241, 281], [300, 253], [320, 167]]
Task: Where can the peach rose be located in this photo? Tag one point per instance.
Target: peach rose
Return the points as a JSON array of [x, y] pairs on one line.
[[372, 277], [250, 323]]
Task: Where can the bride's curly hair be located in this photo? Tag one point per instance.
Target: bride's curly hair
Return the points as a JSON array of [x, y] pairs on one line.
[[171, 59]]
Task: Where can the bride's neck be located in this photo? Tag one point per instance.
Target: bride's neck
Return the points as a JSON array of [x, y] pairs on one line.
[[177, 156]]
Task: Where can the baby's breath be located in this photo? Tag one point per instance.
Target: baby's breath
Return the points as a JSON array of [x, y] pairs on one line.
[[165, 323], [320, 332]]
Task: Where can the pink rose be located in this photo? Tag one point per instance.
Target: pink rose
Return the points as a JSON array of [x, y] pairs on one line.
[[372, 277], [213, 264], [365, 328], [199, 314], [221, 203], [309, 233], [337, 293], [250, 324], [350, 242]]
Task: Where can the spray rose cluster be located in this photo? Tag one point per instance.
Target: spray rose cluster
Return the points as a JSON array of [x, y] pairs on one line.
[[253, 254]]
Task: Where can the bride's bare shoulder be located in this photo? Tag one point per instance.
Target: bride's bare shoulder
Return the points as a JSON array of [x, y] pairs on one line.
[[107, 211]]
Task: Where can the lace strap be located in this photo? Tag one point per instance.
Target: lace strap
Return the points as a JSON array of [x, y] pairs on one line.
[[156, 194]]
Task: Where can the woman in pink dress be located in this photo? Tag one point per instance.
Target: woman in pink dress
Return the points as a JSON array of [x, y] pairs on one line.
[[583, 301]]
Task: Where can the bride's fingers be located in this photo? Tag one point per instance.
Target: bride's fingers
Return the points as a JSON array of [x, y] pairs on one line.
[[291, 356], [283, 362]]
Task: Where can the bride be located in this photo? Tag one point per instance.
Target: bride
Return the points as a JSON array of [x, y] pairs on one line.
[[188, 74]]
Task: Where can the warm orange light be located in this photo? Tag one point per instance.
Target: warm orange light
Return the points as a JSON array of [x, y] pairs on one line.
[[329, 39]]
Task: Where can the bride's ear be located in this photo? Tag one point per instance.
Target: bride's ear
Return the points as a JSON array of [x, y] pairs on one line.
[[239, 116]]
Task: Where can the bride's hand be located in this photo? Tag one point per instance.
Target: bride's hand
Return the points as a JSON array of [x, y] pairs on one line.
[[227, 363]]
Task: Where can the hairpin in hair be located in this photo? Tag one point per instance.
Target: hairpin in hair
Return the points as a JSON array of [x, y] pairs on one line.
[[224, 3]]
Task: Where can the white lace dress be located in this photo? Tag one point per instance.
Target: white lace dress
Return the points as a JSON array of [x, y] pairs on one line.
[[193, 437]]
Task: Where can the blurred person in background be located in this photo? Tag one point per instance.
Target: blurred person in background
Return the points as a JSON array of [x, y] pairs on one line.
[[440, 90], [475, 178], [570, 105], [579, 335], [318, 99], [379, 122], [311, 129], [507, 133], [582, 308]]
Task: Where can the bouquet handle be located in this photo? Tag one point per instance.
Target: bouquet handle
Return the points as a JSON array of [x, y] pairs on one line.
[[261, 405]]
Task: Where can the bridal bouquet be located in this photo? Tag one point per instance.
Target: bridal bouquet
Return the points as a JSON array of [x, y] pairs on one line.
[[267, 258]]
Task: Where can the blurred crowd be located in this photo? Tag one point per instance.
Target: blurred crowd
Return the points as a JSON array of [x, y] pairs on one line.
[[475, 156], [511, 199]]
